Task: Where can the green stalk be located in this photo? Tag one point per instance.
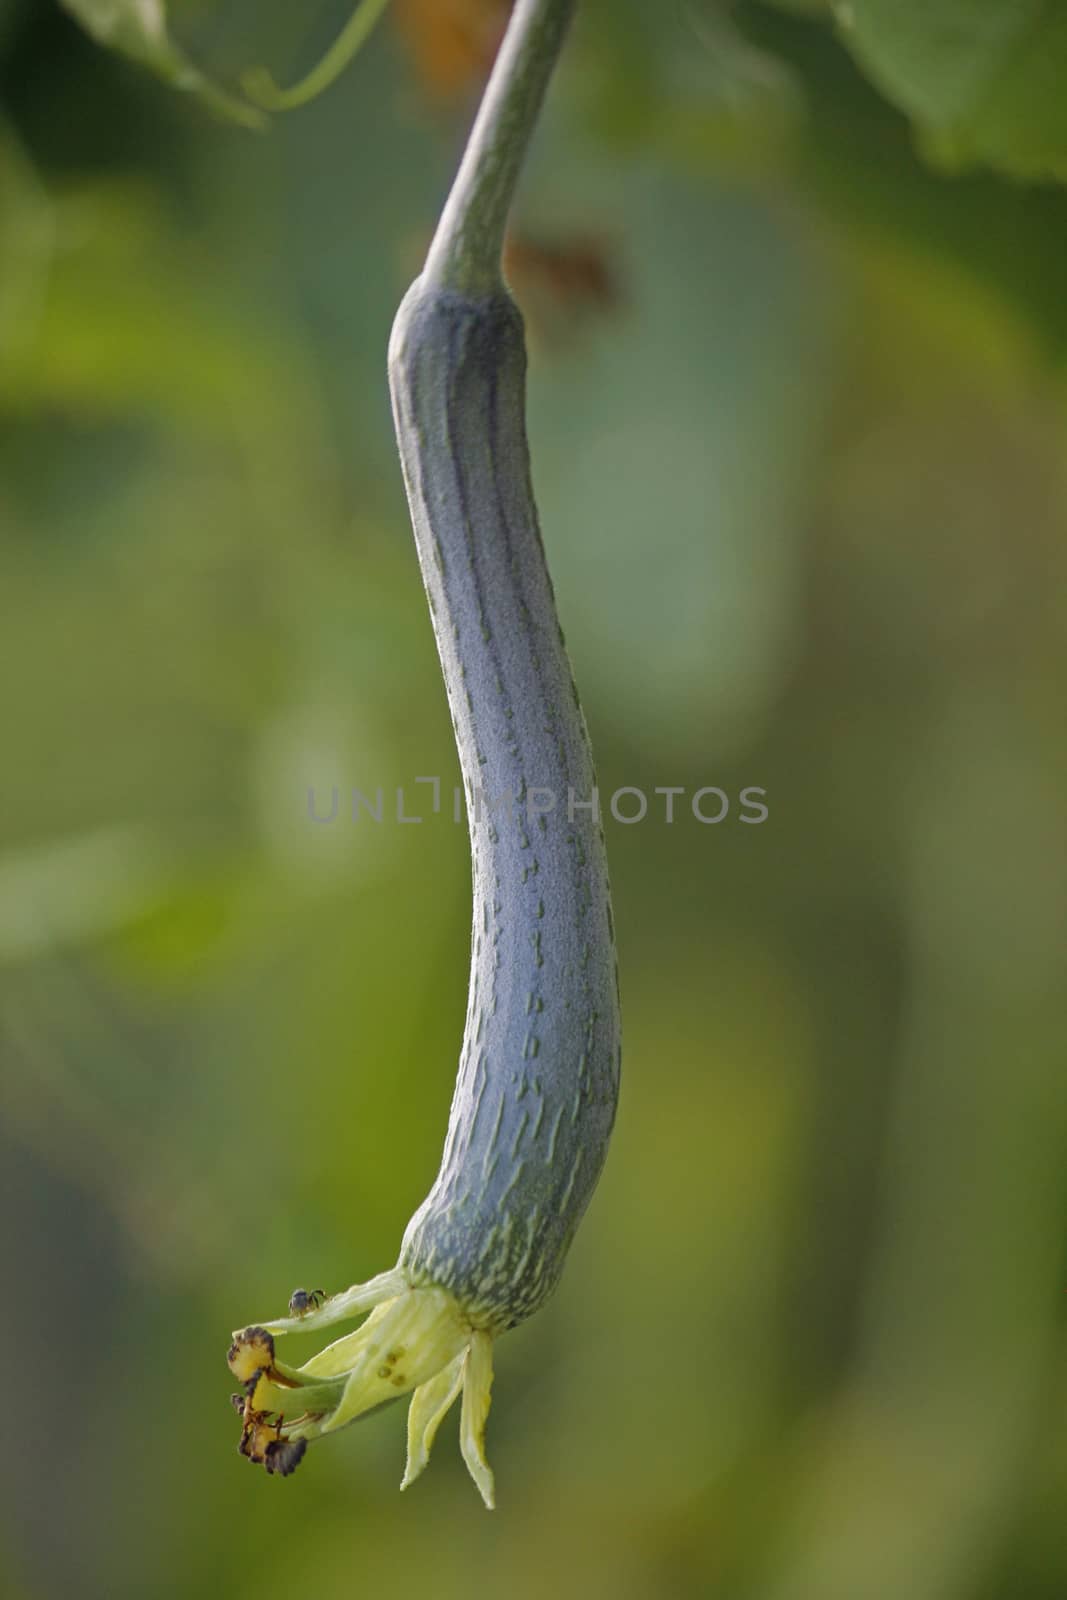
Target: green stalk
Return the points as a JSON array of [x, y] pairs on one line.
[[468, 245]]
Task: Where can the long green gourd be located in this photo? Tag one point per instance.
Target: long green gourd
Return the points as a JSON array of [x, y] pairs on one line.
[[538, 1077]]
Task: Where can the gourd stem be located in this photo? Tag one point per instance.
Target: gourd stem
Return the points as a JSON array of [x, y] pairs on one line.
[[466, 251]]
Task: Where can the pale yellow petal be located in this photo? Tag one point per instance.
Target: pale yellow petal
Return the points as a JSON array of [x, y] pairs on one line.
[[401, 1346], [429, 1405], [346, 1353], [477, 1386], [351, 1302]]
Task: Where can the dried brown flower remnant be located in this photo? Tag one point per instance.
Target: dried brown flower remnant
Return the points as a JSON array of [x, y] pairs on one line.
[[284, 1456], [251, 1353], [415, 1340], [451, 42]]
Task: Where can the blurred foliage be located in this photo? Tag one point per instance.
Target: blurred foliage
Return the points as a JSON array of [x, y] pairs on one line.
[[797, 407], [982, 78]]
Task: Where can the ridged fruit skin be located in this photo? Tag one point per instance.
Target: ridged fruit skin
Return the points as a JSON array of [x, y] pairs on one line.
[[538, 1076]]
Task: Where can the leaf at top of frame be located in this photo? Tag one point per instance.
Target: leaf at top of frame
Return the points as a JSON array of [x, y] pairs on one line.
[[138, 29]]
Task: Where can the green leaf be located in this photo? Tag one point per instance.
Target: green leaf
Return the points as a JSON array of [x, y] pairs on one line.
[[138, 29], [983, 80]]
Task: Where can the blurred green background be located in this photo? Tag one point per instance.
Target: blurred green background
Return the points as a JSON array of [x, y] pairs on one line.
[[797, 416]]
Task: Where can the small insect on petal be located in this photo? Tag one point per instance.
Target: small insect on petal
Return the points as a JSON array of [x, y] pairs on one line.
[[301, 1301]]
